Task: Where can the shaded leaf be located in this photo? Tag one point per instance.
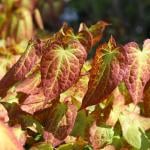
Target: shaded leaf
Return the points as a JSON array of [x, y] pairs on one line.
[[146, 100], [108, 70], [82, 124], [138, 69], [34, 103], [60, 67], [90, 36], [42, 146], [59, 123], [17, 116]]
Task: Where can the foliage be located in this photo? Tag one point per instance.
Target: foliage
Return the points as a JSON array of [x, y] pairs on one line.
[[53, 97]]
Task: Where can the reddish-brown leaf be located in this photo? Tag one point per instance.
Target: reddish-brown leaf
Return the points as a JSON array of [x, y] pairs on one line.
[[90, 36], [146, 100], [60, 123], [29, 85], [21, 68], [108, 69], [138, 69], [34, 102], [60, 67], [97, 31]]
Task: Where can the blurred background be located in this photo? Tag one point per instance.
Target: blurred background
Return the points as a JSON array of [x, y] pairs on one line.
[[129, 19]]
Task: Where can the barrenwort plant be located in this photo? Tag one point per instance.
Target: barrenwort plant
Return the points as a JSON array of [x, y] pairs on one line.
[[53, 97]]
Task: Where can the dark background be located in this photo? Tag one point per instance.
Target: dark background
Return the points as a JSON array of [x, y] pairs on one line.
[[129, 19]]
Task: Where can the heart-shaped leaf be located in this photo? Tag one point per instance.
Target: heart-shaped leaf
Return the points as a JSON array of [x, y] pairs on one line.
[[138, 69], [60, 67]]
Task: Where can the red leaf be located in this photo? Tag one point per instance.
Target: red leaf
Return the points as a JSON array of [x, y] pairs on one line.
[[108, 70], [20, 69], [138, 69], [60, 67], [29, 85]]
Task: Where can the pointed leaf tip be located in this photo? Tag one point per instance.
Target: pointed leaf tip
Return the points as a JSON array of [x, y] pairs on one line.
[[108, 70]]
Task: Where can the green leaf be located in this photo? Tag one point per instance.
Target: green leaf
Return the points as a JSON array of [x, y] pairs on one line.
[[100, 136], [82, 124], [131, 130]]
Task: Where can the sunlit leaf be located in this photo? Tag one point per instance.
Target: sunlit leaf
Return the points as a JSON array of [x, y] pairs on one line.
[[138, 69], [97, 30], [108, 70], [100, 135], [117, 107], [42, 146], [21, 68], [8, 139], [133, 126]]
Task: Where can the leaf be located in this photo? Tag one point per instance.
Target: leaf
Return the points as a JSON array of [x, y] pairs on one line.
[[42, 146], [18, 116], [85, 37], [34, 103], [8, 139], [138, 69], [133, 126], [77, 91], [88, 37], [99, 136], [117, 107], [3, 114], [130, 130], [146, 100], [60, 67], [29, 85], [82, 124], [20, 69], [60, 123], [97, 31], [20, 134], [108, 70]]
